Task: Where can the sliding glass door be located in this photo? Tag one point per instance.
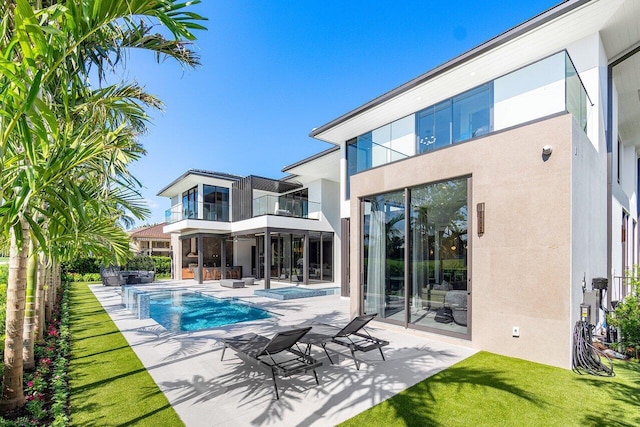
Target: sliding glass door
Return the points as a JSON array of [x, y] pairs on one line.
[[438, 229], [384, 246], [415, 271]]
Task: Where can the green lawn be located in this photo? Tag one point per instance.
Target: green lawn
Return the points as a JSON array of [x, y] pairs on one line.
[[109, 386], [491, 390]]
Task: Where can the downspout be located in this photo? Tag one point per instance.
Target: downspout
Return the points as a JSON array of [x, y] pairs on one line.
[[609, 138]]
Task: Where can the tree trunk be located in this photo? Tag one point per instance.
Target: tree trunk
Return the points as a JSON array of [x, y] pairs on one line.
[[12, 383], [39, 317], [28, 360], [47, 293], [56, 286]]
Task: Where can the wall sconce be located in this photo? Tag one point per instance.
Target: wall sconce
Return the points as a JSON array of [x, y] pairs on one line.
[[480, 211], [547, 150]]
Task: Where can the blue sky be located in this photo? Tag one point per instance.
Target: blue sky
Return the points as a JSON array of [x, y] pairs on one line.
[[273, 70]]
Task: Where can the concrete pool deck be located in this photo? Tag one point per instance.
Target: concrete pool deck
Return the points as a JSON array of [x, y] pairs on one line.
[[205, 391]]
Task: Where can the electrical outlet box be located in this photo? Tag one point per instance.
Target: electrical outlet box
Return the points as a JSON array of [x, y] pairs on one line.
[[516, 331]]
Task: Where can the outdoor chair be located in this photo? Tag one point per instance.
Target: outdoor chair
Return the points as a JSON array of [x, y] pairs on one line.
[[280, 354], [353, 336]]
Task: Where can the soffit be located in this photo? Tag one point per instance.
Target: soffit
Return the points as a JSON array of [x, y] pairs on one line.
[[325, 167], [626, 77], [620, 35], [540, 42], [191, 180]]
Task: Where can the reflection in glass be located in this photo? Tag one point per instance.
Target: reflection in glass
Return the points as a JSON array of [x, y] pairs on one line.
[[472, 113], [434, 127], [384, 247], [439, 253]]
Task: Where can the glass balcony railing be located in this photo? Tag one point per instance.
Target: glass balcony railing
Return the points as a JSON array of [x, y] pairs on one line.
[[541, 89], [203, 211], [285, 206]]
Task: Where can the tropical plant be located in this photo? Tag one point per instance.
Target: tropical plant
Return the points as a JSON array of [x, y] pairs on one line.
[[626, 316], [64, 172]]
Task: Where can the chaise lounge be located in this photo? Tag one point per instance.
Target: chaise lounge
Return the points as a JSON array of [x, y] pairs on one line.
[[354, 336], [277, 354]]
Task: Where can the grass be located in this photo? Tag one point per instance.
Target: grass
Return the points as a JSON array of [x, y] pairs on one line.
[[109, 385], [488, 389]]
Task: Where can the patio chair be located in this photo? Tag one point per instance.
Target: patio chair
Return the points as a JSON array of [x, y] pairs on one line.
[[353, 336], [278, 353]]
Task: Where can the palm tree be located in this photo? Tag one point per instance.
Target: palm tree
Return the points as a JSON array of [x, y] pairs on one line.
[[43, 73]]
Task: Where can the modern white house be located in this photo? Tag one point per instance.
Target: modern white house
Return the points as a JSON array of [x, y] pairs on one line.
[[499, 184], [227, 226], [475, 203]]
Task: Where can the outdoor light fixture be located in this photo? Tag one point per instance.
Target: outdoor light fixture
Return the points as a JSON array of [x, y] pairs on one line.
[[547, 150], [480, 210]]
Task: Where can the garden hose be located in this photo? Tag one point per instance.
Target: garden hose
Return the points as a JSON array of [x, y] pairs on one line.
[[586, 358]]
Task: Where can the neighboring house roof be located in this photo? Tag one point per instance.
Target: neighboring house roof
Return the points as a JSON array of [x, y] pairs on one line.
[[150, 232]]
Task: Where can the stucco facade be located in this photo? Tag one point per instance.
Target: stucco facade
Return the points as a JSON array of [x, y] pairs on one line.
[[521, 269]]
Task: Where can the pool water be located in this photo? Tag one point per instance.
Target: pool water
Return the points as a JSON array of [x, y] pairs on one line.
[[294, 292], [192, 311]]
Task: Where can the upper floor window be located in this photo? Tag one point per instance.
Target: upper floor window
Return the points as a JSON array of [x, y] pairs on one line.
[[216, 203], [190, 203], [548, 86], [456, 119]]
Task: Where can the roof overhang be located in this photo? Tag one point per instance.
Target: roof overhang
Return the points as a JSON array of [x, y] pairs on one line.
[[546, 33], [324, 165], [193, 177]]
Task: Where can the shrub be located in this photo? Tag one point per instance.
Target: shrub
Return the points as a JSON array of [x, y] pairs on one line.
[[4, 273], [626, 317], [141, 262], [91, 277], [3, 307], [82, 265], [162, 264]]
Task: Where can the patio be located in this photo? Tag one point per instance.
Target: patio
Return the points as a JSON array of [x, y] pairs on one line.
[[206, 391]]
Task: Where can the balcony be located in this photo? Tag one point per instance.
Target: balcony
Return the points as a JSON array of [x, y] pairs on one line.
[[203, 211], [285, 206]]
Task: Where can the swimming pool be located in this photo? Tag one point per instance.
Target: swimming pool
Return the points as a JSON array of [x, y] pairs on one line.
[[183, 311], [294, 292]]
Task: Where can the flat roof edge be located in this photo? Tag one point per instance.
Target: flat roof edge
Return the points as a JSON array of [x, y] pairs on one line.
[[508, 35], [311, 158], [200, 172]]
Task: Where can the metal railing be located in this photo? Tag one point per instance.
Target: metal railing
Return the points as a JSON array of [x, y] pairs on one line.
[[621, 287]]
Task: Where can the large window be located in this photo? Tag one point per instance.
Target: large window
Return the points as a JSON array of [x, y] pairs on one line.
[[438, 229], [436, 237], [472, 113], [321, 256], [538, 90], [190, 204], [457, 119], [384, 246], [391, 142], [216, 203], [434, 127]]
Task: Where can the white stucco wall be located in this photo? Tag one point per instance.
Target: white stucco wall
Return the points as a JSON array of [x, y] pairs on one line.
[[588, 218]]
